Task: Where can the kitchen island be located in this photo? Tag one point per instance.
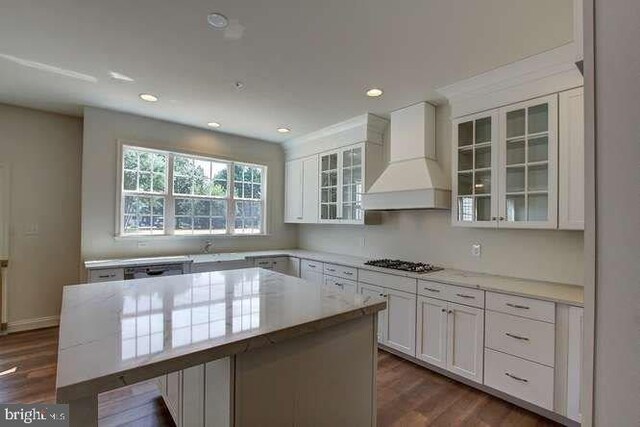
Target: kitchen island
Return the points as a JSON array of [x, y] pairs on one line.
[[261, 347]]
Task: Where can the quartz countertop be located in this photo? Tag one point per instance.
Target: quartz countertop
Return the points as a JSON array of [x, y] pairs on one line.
[[128, 331], [550, 291]]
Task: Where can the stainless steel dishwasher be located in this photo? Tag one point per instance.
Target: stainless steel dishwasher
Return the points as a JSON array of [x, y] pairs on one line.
[[146, 271]]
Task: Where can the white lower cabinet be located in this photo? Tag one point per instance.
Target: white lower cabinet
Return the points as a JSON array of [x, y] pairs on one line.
[[279, 264], [206, 267], [376, 291], [465, 329], [172, 394], [312, 271], [432, 331], [293, 266], [574, 356], [521, 378], [401, 321]]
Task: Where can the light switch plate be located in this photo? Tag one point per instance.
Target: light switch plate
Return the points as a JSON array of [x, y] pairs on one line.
[[476, 250]]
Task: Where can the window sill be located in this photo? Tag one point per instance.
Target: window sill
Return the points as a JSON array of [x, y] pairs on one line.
[[157, 237]]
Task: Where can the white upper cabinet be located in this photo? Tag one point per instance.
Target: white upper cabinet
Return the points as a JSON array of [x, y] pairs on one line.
[[475, 184], [341, 185], [571, 160], [529, 164], [301, 195], [349, 157]]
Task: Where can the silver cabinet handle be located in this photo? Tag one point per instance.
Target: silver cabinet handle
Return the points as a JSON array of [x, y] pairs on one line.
[[298, 217], [432, 290], [331, 270], [450, 311], [311, 266], [518, 337], [522, 307], [348, 273], [444, 310], [466, 296], [104, 276], [493, 218], [516, 378], [501, 218]]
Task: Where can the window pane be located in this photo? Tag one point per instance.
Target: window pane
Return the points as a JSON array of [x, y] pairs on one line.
[[248, 217], [183, 207], [257, 175], [130, 223], [237, 190], [158, 183], [219, 208], [160, 163], [144, 181], [146, 161], [130, 205], [183, 223], [201, 223], [130, 160], [130, 181], [219, 189], [181, 185], [201, 207], [158, 206], [145, 205], [219, 224]]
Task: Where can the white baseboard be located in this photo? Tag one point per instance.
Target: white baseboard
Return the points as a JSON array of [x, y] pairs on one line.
[[29, 324]]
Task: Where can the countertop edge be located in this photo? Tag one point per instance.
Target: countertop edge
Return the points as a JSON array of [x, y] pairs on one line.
[[69, 392]]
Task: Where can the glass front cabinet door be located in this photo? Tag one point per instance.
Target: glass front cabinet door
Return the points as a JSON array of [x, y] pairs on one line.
[[505, 166], [528, 164], [475, 158], [342, 185]]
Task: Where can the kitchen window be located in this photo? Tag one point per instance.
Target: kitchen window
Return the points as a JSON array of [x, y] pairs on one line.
[[166, 193]]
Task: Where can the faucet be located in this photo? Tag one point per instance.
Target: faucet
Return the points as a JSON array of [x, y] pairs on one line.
[[207, 247]]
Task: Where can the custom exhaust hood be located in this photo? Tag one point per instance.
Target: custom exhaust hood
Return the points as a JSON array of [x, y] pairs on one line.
[[412, 179]]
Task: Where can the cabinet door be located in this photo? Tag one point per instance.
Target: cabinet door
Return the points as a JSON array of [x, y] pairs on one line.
[[401, 321], [465, 341], [193, 396], [294, 195], [475, 165], [329, 186], [173, 396], [310, 189], [431, 333], [352, 184], [376, 291], [293, 268], [571, 160], [528, 164], [280, 264], [576, 332]]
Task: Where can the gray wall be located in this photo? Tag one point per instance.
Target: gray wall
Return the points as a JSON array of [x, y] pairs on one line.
[[617, 224], [428, 236], [43, 151], [103, 129]]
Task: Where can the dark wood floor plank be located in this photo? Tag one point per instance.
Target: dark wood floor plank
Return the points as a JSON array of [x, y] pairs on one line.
[[408, 395]]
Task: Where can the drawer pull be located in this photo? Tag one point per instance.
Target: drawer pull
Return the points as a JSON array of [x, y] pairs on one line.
[[444, 310], [331, 270], [522, 380], [466, 296], [104, 276], [348, 273], [431, 290], [311, 265], [518, 337], [523, 307]]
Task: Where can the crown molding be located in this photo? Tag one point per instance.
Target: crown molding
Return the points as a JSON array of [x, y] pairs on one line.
[[538, 75]]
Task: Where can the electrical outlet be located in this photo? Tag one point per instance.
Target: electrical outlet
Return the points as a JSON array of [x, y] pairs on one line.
[[475, 250]]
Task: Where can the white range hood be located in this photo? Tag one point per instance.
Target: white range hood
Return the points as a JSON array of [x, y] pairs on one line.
[[413, 179]]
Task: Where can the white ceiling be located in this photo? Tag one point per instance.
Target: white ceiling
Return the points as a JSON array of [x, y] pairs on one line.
[[305, 63]]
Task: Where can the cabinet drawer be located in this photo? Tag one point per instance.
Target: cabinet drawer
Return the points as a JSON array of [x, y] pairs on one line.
[[462, 295], [335, 270], [399, 283], [520, 378], [348, 286], [309, 265], [526, 338], [521, 306], [431, 289], [106, 275]]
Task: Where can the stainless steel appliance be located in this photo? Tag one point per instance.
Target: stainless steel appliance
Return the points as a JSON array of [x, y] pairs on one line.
[[397, 264], [145, 271]]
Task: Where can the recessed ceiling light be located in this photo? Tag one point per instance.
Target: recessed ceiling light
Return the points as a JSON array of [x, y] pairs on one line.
[[217, 21], [120, 77], [148, 97], [284, 130], [374, 93], [213, 124]]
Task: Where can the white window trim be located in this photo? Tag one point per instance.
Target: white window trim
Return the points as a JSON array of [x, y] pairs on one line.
[[169, 216]]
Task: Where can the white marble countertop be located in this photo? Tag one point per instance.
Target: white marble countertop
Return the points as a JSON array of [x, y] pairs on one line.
[[550, 291], [117, 333]]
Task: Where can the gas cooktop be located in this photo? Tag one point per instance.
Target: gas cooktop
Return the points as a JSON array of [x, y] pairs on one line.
[[397, 264]]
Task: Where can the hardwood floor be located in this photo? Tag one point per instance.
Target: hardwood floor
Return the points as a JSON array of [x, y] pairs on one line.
[[408, 395]]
